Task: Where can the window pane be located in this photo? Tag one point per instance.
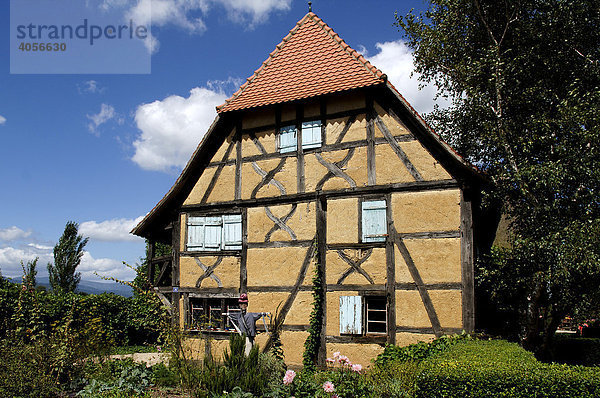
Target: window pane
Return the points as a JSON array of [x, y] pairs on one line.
[[287, 139], [311, 134], [374, 221]]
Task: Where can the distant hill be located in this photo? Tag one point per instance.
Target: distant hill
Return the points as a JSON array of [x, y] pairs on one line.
[[90, 287]]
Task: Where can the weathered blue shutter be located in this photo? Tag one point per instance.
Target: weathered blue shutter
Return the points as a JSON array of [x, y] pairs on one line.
[[311, 134], [374, 221], [213, 230], [351, 315], [232, 232], [287, 139], [195, 233]]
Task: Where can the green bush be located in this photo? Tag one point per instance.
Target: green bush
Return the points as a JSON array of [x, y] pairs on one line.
[[501, 369], [418, 351]]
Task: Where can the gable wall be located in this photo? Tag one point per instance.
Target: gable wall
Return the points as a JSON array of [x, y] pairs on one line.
[[418, 267]]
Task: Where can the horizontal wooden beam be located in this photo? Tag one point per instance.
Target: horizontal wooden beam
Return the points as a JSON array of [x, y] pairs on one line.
[[357, 339], [277, 244], [412, 329], [312, 196]]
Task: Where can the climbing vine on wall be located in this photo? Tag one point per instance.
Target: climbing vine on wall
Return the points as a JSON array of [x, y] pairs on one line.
[[313, 341]]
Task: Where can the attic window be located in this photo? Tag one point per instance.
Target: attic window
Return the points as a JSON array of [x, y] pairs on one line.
[[311, 136], [214, 233]]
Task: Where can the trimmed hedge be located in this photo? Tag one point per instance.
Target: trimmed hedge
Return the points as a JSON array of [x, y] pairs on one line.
[[501, 369]]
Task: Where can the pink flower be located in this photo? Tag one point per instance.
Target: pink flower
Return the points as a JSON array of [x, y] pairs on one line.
[[336, 355], [344, 360], [158, 348], [330, 360], [289, 377], [328, 387], [357, 367]]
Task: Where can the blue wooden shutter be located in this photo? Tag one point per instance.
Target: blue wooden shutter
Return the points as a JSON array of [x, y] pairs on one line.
[[195, 233], [374, 221], [311, 134], [232, 232], [287, 139], [351, 315], [213, 231]]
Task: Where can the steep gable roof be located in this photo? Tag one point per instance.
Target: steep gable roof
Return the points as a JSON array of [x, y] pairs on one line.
[[311, 60]]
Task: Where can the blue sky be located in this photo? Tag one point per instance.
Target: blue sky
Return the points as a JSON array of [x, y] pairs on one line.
[[103, 149]]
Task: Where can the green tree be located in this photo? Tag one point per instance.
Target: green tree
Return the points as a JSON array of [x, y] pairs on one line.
[[67, 256], [30, 272], [524, 79]]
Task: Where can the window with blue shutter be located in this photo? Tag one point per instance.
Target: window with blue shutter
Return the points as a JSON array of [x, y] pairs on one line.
[[195, 233], [311, 134], [287, 139], [374, 221], [214, 233], [351, 315], [232, 232]]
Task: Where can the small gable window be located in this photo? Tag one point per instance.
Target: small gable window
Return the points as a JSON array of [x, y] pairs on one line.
[[311, 136], [287, 139], [374, 221], [214, 233]]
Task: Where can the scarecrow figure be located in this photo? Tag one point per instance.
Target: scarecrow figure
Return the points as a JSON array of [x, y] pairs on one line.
[[245, 322]]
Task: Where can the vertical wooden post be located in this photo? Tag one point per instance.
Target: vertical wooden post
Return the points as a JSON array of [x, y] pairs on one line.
[[371, 179], [466, 259], [175, 296], [244, 257], [238, 160], [390, 285], [149, 257], [299, 151], [321, 207]]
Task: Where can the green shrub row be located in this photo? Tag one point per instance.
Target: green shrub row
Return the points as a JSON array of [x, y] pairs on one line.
[[418, 351], [501, 369]]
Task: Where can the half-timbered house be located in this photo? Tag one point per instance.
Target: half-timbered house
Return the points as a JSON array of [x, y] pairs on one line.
[[318, 162]]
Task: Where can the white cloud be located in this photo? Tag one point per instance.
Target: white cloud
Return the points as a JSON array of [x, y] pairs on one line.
[[13, 233], [172, 128], [115, 230], [11, 257], [2, 120], [191, 15], [90, 86], [252, 12], [107, 267], [396, 60], [107, 112]]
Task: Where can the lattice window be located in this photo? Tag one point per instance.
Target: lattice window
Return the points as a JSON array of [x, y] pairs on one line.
[[211, 314]]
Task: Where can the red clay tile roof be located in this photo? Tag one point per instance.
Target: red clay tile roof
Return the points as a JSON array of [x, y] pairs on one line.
[[311, 60]]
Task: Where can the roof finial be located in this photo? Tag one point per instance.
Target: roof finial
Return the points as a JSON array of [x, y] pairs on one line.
[[310, 6]]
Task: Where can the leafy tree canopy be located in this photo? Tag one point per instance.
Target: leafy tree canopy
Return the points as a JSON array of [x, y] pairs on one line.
[[524, 78], [67, 256]]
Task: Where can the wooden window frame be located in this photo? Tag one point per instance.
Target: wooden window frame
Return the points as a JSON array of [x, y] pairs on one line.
[[299, 129], [368, 316], [204, 308]]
